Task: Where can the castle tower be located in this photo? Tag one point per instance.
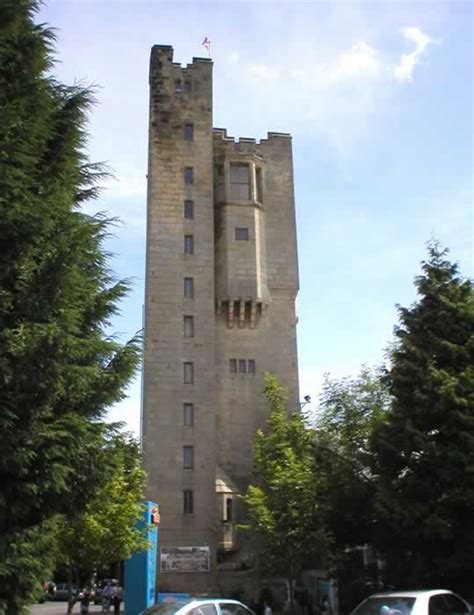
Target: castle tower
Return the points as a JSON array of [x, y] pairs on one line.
[[221, 284]]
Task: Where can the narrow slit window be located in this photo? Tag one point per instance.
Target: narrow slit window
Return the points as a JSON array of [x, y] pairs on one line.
[[189, 175], [189, 210], [188, 457], [241, 234], [228, 509], [242, 366], [188, 373], [188, 415], [188, 502], [189, 132], [233, 366], [188, 244], [188, 325], [189, 288], [258, 177], [251, 366]]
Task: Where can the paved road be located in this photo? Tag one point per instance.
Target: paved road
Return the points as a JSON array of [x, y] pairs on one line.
[[60, 608]]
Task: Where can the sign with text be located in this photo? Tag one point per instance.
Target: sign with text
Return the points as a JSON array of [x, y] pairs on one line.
[[185, 559]]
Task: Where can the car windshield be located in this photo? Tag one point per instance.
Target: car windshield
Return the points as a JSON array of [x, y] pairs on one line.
[[165, 608], [385, 605]]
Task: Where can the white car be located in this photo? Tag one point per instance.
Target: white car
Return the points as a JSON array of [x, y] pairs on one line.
[[200, 606], [420, 602]]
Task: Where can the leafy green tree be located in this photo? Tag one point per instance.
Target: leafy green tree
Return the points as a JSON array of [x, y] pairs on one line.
[[283, 505], [348, 411], [106, 533], [425, 448], [59, 370]]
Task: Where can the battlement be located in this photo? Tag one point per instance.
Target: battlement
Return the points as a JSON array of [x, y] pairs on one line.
[[248, 146], [161, 61]]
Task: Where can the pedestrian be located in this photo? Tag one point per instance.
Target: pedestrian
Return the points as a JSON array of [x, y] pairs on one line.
[[108, 595], [117, 599], [267, 609], [85, 602]]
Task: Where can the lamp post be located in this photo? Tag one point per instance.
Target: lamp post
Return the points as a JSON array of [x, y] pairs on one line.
[[305, 402]]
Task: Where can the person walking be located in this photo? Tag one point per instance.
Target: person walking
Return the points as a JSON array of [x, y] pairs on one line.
[[117, 599]]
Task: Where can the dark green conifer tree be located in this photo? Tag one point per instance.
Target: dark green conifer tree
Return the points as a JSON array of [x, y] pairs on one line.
[[59, 370], [425, 448]]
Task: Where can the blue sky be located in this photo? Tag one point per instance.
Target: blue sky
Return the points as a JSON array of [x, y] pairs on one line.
[[378, 98]]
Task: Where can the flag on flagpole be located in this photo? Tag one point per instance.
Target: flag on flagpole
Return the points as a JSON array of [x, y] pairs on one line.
[[207, 44]]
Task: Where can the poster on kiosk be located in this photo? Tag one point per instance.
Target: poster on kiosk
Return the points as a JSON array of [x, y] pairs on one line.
[[140, 569]]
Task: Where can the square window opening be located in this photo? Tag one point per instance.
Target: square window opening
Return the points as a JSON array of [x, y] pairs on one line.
[[241, 234]]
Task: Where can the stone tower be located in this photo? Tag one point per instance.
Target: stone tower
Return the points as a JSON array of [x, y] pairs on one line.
[[221, 284]]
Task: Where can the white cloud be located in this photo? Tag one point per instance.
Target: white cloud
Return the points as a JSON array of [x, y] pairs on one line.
[[361, 59], [404, 70]]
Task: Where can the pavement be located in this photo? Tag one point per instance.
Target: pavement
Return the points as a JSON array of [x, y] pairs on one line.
[[60, 608]]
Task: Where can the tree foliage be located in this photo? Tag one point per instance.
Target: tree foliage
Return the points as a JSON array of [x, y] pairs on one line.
[[59, 371], [425, 448], [349, 409], [283, 504], [105, 533]]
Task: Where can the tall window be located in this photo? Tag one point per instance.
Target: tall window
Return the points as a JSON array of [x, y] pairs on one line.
[[188, 175], [188, 374], [188, 415], [189, 210], [251, 366], [188, 132], [188, 457], [242, 366], [241, 234], [258, 177], [228, 509], [188, 326], [188, 502], [189, 288], [239, 182], [233, 366], [188, 244]]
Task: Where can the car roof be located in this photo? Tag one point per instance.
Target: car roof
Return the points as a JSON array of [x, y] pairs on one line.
[[213, 600], [411, 594]]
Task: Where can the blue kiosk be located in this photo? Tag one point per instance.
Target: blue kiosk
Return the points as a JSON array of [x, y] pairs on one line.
[[140, 569]]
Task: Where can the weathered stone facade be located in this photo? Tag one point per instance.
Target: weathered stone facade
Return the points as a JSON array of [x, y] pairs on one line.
[[221, 284]]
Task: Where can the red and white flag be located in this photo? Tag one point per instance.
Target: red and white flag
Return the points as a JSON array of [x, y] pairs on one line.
[[207, 44]]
